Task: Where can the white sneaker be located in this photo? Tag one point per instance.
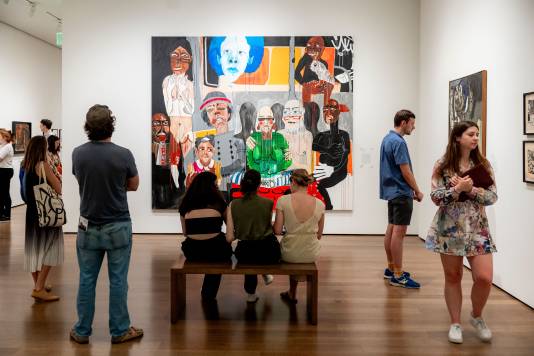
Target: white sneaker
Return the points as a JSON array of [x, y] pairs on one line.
[[455, 334], [252, 298], [483, 332], [267, 278]]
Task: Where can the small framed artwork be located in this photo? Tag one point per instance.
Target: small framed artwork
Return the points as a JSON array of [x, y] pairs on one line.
[[56, 132], [528, 113], [468, 102], [528, 161], [22, 133]]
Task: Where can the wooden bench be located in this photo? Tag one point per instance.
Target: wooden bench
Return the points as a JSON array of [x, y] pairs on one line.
[[181, 269]]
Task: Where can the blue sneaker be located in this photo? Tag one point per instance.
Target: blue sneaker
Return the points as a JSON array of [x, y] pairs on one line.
[[404, 282], [389, 273]]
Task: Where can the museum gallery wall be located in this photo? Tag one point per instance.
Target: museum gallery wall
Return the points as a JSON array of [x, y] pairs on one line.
[[273, 104]]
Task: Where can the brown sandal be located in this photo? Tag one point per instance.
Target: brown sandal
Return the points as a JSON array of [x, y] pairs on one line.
[[132, 333]]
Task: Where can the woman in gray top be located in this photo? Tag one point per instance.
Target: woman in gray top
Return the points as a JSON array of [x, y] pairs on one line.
[[249, 221]]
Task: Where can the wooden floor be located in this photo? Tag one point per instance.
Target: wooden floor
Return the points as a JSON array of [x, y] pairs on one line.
[[359, 314]]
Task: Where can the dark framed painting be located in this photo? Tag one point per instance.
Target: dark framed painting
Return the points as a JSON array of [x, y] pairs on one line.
[[22, 133], [528, 113], [56, 132], [528, 161], [468, 102]]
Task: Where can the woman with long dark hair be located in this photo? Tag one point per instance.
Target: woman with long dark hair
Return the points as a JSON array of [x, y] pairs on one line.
[[52, 155], [249, 221], [460, 227], [6, 173], [43, 246], [202, 213]]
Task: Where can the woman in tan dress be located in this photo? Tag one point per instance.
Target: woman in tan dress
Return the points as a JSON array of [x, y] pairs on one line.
[[303, 217]]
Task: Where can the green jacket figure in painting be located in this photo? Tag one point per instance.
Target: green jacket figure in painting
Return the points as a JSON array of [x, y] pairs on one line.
[[267, 151]]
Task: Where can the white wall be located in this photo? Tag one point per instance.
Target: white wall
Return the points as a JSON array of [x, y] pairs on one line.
[[106, 57], [30, 86], [463, 37]]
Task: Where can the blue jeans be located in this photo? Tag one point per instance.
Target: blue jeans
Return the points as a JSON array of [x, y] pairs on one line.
[[115, 239]]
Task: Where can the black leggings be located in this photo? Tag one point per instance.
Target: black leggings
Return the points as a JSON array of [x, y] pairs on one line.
[[5, 198], [266, 251], [216, 249]]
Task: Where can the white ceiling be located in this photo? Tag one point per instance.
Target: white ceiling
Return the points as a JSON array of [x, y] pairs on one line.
[[41, 25]]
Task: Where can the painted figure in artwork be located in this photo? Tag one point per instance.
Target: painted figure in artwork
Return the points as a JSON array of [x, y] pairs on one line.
[[333, 147], [297, 136], [267, 150], [229, 150], [161, 138], [204, 152], [462, 103], [312, 72], [162, 160], [231, 56], [179, 103]]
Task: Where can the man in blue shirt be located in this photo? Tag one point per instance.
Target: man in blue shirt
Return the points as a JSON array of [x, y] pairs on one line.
[[399, 188]]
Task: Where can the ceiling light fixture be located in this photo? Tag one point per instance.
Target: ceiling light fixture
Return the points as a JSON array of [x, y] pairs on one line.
[[33, 7]]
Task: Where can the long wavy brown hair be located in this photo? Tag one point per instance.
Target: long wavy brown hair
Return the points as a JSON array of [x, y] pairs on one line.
[[451, 159], [6, 134], [35, 153]]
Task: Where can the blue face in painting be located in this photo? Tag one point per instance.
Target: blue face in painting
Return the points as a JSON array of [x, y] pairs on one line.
[[234, 57]]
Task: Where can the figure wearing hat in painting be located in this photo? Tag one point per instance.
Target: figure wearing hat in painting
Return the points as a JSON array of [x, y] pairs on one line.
[[333, 147], [204, 152], [229, 150], [267, 150]]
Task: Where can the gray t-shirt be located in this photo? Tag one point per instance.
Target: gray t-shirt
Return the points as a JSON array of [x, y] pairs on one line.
[[102, 169]]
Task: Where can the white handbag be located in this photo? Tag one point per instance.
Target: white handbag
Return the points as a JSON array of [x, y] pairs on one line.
[[50, 206]]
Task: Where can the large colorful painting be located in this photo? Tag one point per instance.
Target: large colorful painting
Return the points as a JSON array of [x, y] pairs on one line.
[[274, 104], [22, 133], [468, 101]]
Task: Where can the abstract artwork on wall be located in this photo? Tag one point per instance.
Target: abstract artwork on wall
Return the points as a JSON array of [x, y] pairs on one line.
[[22, 133], [275, 104], [528, 113], [528, 161], [468, 102]]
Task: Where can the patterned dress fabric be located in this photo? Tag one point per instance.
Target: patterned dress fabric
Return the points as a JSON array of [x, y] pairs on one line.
[[460, 228]]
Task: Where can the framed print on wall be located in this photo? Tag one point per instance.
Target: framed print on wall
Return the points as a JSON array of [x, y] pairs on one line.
[[468, 102], [22, 133], [528, 161], [528, 113]]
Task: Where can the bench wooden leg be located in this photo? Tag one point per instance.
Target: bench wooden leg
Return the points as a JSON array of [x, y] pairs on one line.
[[312, 297], [178, 295]]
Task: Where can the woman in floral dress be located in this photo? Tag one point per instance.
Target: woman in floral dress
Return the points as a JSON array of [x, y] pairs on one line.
[[460, 227]]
